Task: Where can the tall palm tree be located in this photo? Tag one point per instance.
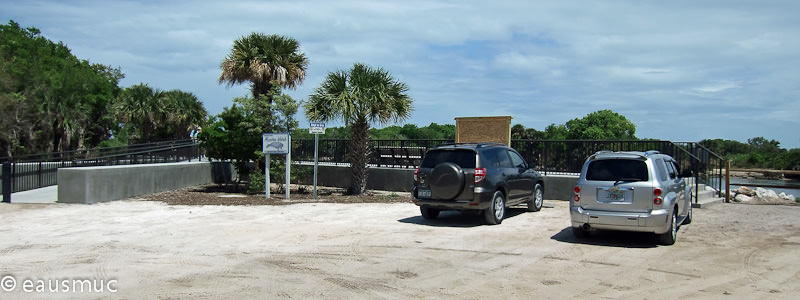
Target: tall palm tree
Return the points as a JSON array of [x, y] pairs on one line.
[[261, 59], [140, 105], [359, 97], [184, 109]]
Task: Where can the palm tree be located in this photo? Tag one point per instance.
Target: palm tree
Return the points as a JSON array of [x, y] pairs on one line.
[[359, 97], [184, 109], [140, 106], [260, 59]]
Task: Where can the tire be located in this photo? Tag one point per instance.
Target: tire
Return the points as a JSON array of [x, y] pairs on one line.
[[497, 209], [537, 198], [579, 233], [669, 237], [446, 181], [429, 213], [688, 219]]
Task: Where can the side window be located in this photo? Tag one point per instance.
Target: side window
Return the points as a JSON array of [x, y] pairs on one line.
[[502, 160], [489, 158], [673, 173], [675, 166], [517, 160], [661, 169]]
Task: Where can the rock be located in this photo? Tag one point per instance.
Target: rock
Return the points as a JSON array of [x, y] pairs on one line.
[[743, 198], [786, 197], [767, 195], [746, 191]]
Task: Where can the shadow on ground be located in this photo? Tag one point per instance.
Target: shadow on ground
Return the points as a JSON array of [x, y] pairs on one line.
[[452, 218], [608, 238]]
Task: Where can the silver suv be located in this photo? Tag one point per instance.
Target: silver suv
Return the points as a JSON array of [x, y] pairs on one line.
[[631, 191]]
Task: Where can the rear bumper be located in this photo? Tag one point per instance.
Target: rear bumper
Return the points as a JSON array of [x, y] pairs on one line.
[[480, 200], [655, 221]]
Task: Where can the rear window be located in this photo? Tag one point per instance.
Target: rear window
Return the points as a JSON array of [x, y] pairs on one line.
[[617, 170], [463, 158]]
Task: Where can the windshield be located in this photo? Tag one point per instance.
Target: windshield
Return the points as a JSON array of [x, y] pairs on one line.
[[617, 170], [463, 158]]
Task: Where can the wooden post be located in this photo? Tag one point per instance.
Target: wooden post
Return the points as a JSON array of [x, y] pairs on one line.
[[727, 181]]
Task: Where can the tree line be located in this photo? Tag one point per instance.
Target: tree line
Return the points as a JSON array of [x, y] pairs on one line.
[[51, 100]]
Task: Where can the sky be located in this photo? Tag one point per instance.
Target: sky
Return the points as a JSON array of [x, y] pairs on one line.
[[679, 70]]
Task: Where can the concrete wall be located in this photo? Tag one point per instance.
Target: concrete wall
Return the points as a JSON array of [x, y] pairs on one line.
[[557, 187], [386, 179], [100, 184]]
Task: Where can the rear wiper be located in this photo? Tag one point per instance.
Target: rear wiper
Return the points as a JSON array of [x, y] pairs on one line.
[[626, 180]]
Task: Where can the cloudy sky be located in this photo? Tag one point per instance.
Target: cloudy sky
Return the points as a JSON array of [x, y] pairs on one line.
[[680, 70]]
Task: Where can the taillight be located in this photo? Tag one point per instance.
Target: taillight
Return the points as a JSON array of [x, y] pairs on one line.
[[657, 192], [577, 189], [657, 200], [480, 174], [416, 177], [577, 197]]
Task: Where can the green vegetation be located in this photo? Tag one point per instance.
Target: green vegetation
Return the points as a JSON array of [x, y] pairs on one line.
[[405, 132], [264, 61], [758, 152], [360, 96], [51, 100], [149, 114], [599, 125], [235, 133]]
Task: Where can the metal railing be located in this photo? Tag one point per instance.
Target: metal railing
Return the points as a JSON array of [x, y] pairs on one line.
[[550, 157], [28, 172]]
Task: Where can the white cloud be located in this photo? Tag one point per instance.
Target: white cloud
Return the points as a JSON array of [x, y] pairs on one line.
[[542, 61]]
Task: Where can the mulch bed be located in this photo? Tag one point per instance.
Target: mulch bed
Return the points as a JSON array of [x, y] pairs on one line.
[[229, 195]]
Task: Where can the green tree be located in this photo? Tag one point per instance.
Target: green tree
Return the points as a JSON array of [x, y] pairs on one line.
[[360, 96], [235, 134], [51, 100], [601, 125], [264, 61], [140, 108], [184, 111]]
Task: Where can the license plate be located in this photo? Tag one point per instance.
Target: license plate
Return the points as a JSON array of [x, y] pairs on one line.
[[423, 193], [617, 195]]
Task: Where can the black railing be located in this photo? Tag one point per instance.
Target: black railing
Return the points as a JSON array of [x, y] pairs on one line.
[[551, 157], [23, 173]]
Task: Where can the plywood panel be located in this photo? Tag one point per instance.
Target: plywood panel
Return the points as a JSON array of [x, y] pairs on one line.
[[484, 130]]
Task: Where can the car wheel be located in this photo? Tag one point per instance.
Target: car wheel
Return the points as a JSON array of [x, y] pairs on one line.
[[668, 238], [688, 219], [537, 198], [429, 213], [497, 210]]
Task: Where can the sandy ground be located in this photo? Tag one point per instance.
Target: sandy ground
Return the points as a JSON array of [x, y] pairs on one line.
[[368, 251]]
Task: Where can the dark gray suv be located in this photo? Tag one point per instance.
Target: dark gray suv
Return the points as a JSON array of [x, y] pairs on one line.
[[486, 177]]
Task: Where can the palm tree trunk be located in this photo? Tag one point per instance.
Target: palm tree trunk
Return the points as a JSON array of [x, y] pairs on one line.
[[262, 88], [359, 156]]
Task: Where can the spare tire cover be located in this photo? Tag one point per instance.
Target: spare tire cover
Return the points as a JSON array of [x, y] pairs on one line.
[[446, 181]]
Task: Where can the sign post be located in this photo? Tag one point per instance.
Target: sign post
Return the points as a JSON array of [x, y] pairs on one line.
[[316, 128], [276, 143]]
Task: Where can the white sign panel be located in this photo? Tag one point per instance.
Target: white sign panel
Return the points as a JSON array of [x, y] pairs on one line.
[[275, 143], [316, 128]]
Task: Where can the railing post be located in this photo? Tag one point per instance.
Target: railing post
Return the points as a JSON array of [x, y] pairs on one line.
[[7, 181], [727, 181]]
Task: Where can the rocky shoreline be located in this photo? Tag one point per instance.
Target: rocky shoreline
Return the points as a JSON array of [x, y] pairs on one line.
[[761, 196]]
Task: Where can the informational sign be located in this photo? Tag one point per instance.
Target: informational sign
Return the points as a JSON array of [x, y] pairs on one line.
[[316, 128], [275, 143]]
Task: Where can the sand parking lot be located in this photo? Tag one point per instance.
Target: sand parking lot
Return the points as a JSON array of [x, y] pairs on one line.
[[367, 251]]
